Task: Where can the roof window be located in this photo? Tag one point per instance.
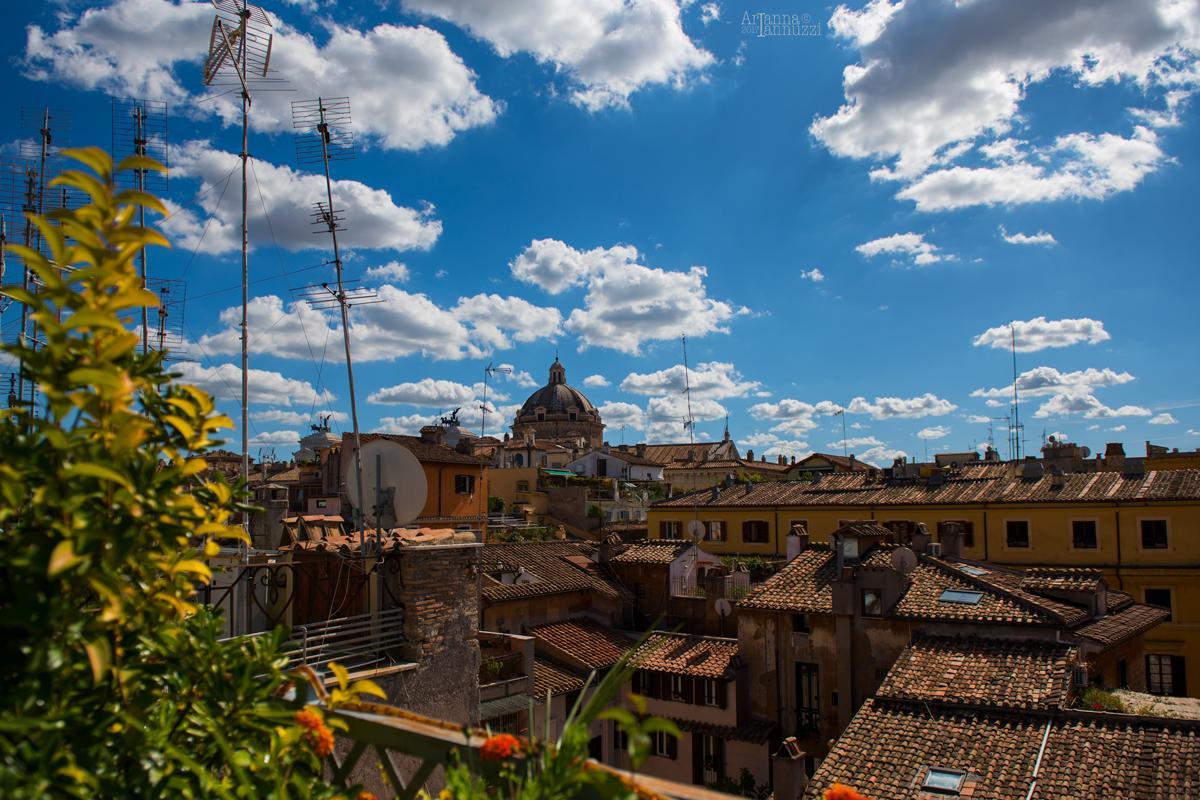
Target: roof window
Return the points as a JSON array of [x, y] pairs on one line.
[[960, 596], [976, 571], [944, 781]]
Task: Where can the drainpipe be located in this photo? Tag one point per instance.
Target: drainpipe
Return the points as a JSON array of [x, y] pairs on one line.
[[985, 535]]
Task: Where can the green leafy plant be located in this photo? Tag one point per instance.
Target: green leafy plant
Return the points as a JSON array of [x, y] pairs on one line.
[[113, 683], [1097, 699]]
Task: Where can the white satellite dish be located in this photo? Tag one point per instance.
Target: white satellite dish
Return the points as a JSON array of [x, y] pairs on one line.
[[723, 606], [904, 560], [393, 482], [695, 529]]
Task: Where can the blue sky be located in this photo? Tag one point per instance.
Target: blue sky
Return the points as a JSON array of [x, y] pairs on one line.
[[846, 213]]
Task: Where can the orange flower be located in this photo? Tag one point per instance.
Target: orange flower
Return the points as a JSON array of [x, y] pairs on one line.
[[365, 795], [318, 736], [500, 746], [840, 791]]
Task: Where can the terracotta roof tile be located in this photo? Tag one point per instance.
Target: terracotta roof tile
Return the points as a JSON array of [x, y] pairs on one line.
[[756, 731], [1124, 625], [549, 677], [803, 586], [423, 450], [975, 483], [1070, 579], [651, 551], [988, 672], [666, 453], [682, 654], [592, 644], [551, 564]]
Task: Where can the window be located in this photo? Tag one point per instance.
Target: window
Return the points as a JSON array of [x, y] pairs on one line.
[[541, 416], [670, 529], [872, 603], [572, 416], [522, 486], [1016, 534], [959, 596], [620, 738], [966, 527], [518, 460], [322, 503], [711, 696], [808, 713], [464, 484], [970, 570], [1164, 675], [1158, 597], [943, 781], [800, 623], [1122, 674], [754, 531], [801, 522], [1154, 534], [601, 467], [714, 531], [1083, 534], [663, 745], [677, 687]]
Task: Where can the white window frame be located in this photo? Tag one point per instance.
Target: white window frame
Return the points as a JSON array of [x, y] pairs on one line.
[[708, 530], [711, 693], [659, 741], [676, 688]]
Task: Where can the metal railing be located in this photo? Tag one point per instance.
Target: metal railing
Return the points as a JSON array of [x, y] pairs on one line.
[[736, 586], [357, 643]]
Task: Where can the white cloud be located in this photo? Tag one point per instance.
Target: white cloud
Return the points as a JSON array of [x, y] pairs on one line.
[[224, 382], [607, 50], [1042, 381], [1119, 428], [284, 417], [926, 405], [268, 438], [498, 321], [1041, 237], [933, 432], [1163, 419], [910, 111], [815, 275], [1079, 166], [617, 415], [374, 220], [1193, 432], [1061, 405], [710, 13], [978, 419], [881, 456], [666, 416], [401, 324], [713, 379], [520, 377], [391, 271], [855, 441], [625, 304], [596, 381], [408, 424], [792, 416], [1040, 333], [912, 245], [409, 89], [427, 392]]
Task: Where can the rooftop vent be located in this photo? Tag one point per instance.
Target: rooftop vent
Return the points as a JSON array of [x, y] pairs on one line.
[[934, 549]]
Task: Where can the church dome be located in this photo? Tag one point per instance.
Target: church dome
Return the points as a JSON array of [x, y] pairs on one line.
[[556, 397]]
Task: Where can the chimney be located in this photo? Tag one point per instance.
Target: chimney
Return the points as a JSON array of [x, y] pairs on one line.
[[793, 459], [641, 450], [1114, 455], [797, 541], [749, 455], [782, 459], [952, 539], [433, 434], [920, 538]]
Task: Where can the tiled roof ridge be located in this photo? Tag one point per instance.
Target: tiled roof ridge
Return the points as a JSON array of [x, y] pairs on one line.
[[924, 707]]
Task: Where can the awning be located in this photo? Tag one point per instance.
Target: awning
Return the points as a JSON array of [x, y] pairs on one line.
[[566, 473], [491, 709]]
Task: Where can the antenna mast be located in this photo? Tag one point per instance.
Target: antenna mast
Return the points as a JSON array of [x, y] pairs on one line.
[[1017, 430], [325, 135], [488, 371], [139, 128], [240, 44], [687, 390]]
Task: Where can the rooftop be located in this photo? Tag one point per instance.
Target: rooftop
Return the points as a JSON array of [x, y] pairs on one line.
[[975, 483], [682, 654], [650, 551], [592, 644], [551, 566], [550, 678], [423, 450]]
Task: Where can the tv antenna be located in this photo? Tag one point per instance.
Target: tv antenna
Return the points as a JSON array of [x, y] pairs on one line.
[[324, 135], [489, 371], [239, 55], [1017, 430], [139, 128], [690, 423]]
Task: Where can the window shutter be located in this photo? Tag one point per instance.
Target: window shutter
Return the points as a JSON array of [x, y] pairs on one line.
[[672, 747], [722, 693], [695, 691], [662, 529], [1180, 676]]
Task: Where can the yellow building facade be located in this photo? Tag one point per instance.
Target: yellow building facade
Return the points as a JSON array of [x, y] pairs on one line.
[[1142, 531]]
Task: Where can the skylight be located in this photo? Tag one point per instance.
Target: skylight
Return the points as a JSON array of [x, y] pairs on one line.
[[976, 571], [960, 596], [944, 781]]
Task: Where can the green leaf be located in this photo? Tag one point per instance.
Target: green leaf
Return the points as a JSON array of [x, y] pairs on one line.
[[93, 157], [97, 471], [99, 657], [62, 558]]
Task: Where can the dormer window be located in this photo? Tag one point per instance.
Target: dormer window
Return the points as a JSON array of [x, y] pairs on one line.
[[944, 781]]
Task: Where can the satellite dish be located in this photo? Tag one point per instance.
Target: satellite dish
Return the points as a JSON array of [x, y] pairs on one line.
[[904, 560], [393, 481], [695, 529], [723, 606]]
